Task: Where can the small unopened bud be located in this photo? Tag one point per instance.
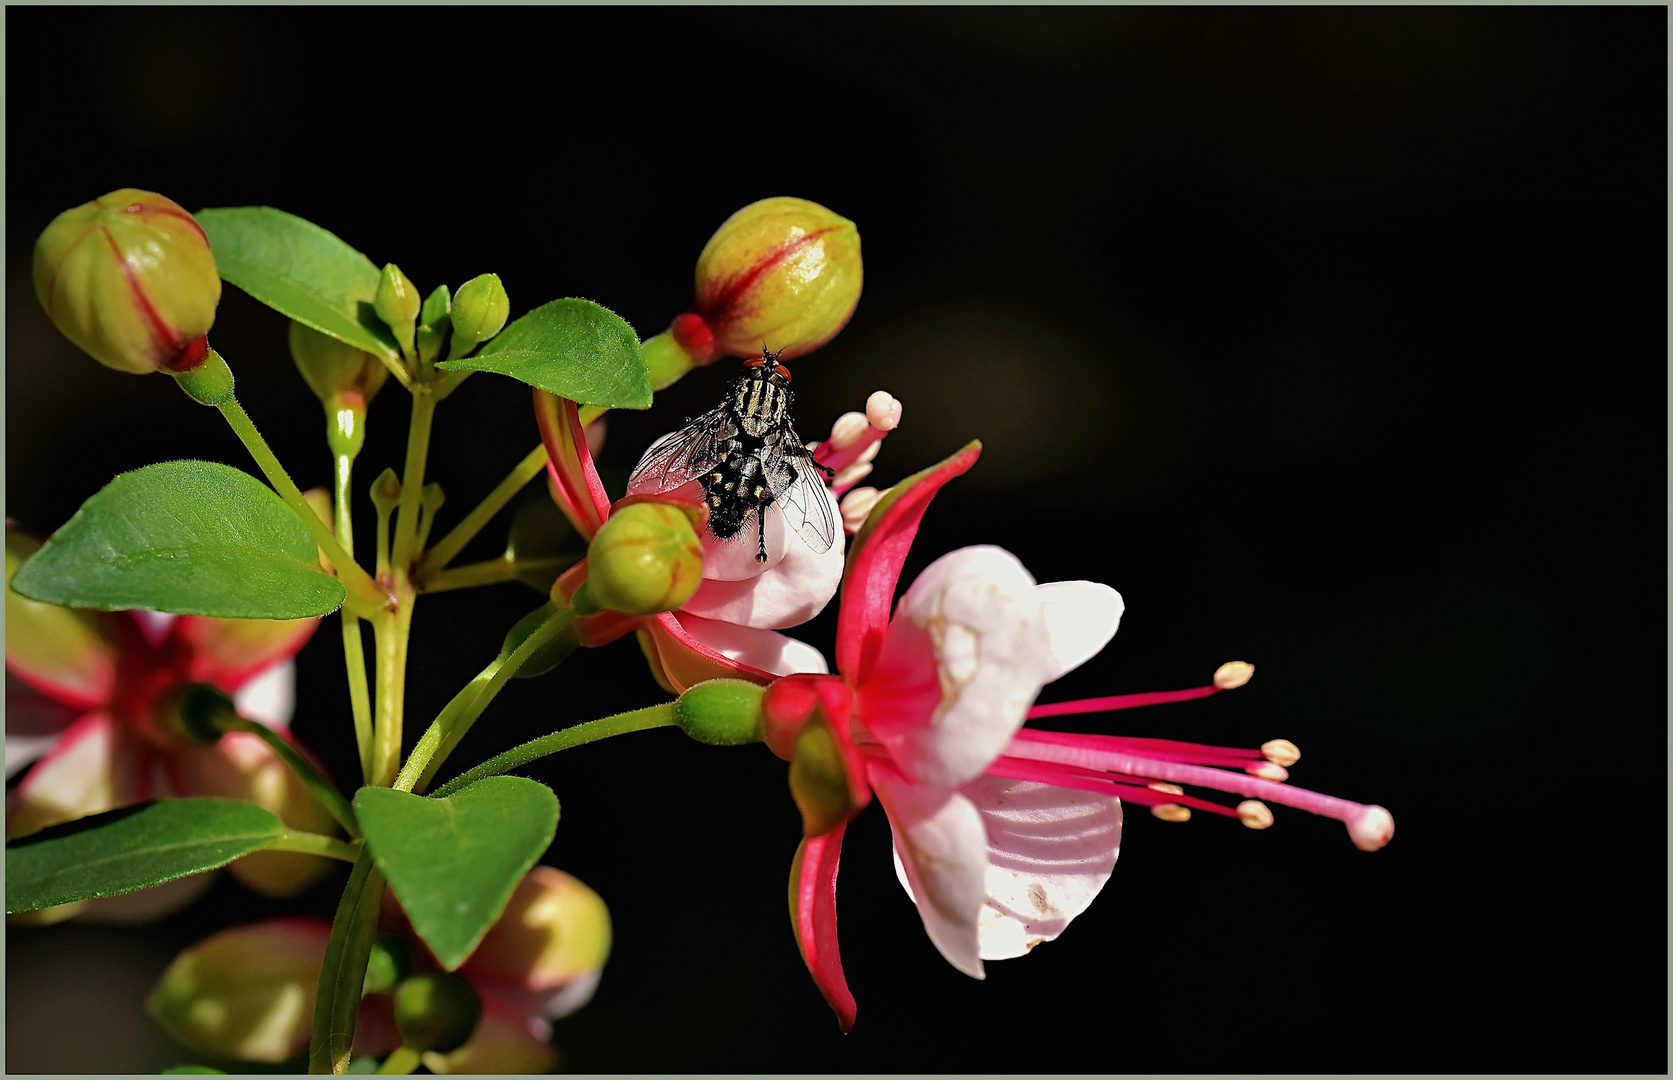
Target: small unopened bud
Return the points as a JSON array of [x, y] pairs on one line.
[[1171, 812], [331, 368], [386, 491], [434, 320], [1371, 827], [130, 279], [1254, 814], [721, 712], [390, 962], [479, 311], [1281, 752], [244, 993], [397, 304], [1233, 675], [1267, 770], [198, 714], [552, 940], [857, 506], [785, 272], [645, 559], [436, 1012]]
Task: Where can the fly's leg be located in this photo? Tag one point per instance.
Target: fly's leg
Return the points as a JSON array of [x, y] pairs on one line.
[[761, 534], [797, 450]]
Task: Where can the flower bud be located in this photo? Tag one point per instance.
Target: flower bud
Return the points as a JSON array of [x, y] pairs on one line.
[[245, 993], [397, 305], [781, 273], [479, 311], [130, 279], [645, 559], [389, 963], [548, 946], [721, 712], [332, 368], [434, 319], [436, 1012]]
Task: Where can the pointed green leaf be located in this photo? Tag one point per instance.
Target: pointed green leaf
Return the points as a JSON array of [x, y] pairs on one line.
[[573, 348], [454, 862], [133, 848], [191, 537], [299, 269]]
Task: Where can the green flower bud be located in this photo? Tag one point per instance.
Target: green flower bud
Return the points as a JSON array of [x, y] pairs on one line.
[[129, 278], [397, 305], [480, 309], [389, 963], [386, 491], [721, 712], [331, 368], [781, 273], [645, 559], [245, 993], [436, 1012], [434, 319]]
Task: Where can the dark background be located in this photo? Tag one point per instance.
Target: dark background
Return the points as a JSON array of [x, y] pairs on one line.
[[1334, 340]]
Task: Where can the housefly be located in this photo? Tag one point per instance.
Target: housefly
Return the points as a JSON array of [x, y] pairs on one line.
[[747, 456]]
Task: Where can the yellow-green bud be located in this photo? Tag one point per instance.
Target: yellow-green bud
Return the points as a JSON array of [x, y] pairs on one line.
[[645, 559], [434, 319], [397, 304], [480, 309], [330, 367], [389, 963], [782, 274], [129, 278], [436, 1012], [245, 993], [721, 712]]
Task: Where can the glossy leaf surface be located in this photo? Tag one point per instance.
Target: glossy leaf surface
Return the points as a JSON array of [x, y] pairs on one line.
[[572, 348]]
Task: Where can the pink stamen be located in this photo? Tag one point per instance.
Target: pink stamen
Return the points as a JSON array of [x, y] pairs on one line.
[[1161, 749], [1119, 701], [1369, 826], [1077, 779]]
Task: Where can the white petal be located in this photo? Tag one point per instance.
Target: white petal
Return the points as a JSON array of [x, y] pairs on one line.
[[734, 559], [1050, 850], [1081, 617], [941, 858], [269, 697], [23, 749], [765, 649], [788, 594], [965, 656]]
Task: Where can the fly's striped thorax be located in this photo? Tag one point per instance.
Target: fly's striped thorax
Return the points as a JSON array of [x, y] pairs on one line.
[[760, 405]]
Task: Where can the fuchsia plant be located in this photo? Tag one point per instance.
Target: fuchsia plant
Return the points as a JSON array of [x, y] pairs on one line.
[[144, 633]]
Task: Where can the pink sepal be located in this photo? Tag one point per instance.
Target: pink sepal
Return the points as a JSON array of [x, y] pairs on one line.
[[575, 482], [813, 911]]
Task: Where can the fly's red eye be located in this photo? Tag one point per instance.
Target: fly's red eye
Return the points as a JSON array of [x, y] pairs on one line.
[[757, 362], [783, 372]]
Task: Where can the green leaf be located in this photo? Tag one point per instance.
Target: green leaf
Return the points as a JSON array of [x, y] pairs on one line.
[[300, 270], [132, 848], [573, 348], [191, 537], [453, 862]]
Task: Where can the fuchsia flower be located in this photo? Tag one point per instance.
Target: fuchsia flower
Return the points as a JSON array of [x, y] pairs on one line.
[[84, 695], [728, 629], [247, 993], [1001, 835]]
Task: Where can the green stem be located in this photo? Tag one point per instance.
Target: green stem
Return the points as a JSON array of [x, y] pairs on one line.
[[400, 1062], [412, 481], [458, 715], [390, 632], [307, 843], [454, 542], [343, 974], [363, 591], [354, 648], [489, 572], [324, 790], [639, 720]]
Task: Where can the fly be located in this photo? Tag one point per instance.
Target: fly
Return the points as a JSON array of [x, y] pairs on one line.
[[746, 454]]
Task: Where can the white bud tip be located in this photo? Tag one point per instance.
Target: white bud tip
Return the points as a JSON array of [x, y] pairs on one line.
[[1371, 828], [1266, 770], [857, 506], [1281, 752], [883, 411], [1254, 814], [1171, 812], [847, 430], [1168, 789], [1233, 675]]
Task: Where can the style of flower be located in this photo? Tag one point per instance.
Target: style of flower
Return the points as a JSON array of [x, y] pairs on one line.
[[1002, 835], [728, 629], [86, 698], [247, 993]]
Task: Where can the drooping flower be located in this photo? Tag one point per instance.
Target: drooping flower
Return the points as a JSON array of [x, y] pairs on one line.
[[1002, 835], [247, 993], [87, 700], [727, 629]]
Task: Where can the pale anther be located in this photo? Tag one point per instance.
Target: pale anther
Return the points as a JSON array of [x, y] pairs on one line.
[[1267, 770], [1254, 814], [1233, 675], [1171, 812], [1281, 752]]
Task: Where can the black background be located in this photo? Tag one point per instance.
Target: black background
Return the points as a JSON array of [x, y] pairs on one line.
[[1333, 339]]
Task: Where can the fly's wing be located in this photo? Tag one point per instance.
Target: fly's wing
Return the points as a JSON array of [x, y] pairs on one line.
[[683, 456], [801, 493]]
